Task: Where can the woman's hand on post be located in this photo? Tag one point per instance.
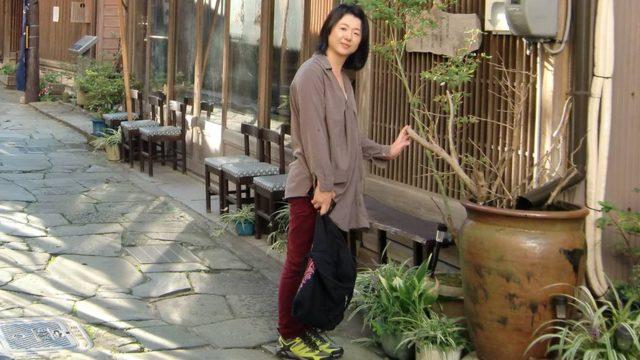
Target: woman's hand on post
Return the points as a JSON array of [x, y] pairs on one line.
[[402, 141], [322, 200]]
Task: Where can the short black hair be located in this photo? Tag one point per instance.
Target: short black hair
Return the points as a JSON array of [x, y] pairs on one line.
[[358, 59]]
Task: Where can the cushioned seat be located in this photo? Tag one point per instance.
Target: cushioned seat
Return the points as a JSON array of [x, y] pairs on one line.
[[216, 162], [160, 131], [239, 170], [116, 118], [271, 183], [134, 125]]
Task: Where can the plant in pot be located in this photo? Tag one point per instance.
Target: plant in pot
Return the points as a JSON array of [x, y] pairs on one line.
[[509, 253], [595, 329], [626, 224], [389, 295], [110, 141], [435, 337], [101, 84], [242, 220], [8, 75], [280, 226]]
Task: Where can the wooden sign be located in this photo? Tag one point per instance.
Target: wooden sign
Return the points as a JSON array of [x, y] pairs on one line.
[[453, 32], [82, 11]]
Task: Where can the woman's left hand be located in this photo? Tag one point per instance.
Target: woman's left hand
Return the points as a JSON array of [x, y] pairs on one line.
[[402, 141]]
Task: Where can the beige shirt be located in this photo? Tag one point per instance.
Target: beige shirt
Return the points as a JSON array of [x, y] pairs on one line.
[[327, 143]]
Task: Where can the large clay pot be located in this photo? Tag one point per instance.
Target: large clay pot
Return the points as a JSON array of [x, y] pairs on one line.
[[513, 263]]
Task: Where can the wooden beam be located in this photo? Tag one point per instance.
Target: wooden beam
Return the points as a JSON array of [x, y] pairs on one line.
[[125, 59], [197, 73], [171, 50], [226, 54], [264, 61]]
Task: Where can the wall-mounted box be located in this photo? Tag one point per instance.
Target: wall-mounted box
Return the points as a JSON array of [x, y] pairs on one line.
[[533, 19], [495, 18]]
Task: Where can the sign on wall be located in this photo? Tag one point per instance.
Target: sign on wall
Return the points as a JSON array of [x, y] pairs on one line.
[[81, 12], [56, 14], [452, 33]]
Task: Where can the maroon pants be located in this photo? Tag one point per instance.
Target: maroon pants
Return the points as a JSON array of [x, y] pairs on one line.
[[302, 222]]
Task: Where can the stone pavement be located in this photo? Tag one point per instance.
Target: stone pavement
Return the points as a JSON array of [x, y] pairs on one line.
[[105, 245]]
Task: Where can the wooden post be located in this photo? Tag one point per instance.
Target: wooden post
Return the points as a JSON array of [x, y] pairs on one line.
[[197, 75], [33, 61], [264, 61], [171, 56], [226, 55], [122, 11]]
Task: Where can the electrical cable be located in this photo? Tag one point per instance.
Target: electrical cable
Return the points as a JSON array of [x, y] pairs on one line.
[[565, 35]]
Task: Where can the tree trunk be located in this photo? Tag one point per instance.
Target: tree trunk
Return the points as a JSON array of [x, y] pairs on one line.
[[33, 60]]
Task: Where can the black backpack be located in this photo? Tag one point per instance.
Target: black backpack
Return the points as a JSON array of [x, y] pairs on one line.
[[327, 286]]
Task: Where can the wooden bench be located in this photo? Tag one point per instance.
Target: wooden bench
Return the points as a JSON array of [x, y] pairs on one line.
[[392, 223]]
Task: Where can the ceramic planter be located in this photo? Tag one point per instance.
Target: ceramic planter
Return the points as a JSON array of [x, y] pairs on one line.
[[81, 98], [434, 353], [113, 152], [9, 81], [244, 228], [390, 344], [513, 263], [98, 126]]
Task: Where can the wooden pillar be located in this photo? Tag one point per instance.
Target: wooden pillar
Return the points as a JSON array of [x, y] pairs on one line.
[[198, 73], [33, 59], [226, 54], [125, 58], [264, 63], [171, 50]]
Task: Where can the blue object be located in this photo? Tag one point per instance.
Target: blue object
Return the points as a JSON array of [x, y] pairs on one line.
[[21, 70], [244, 228], [98, 127]]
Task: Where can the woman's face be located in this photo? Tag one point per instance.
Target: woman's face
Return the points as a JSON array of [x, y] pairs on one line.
[[345, 36]]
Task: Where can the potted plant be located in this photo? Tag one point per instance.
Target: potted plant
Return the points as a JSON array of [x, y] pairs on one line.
[[598, 329], [100, 87], [110, 141], [435, 337], [242, 220], [389, 295], [8, 75], [505, 280], [280, 226]]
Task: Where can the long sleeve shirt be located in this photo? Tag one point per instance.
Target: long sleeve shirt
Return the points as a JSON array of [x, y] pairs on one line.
[[327, 143]]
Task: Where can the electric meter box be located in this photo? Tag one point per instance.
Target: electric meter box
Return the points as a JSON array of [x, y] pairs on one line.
[[533, 19]]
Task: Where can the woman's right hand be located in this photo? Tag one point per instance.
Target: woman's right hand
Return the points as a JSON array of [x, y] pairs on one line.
[[322, 200]]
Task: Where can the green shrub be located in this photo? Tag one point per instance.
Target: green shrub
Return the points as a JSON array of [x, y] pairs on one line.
[[8, 69], [102, 84]]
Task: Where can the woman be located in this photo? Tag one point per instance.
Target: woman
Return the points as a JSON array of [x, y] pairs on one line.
[[329, 150]]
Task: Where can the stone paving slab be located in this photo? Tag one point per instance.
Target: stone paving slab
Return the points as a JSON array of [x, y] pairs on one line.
[[193, 310], [162, 284], [246, 333], [43, 284], [57, 208], [16, 258], [99, 245], [105, 271], [134, 324], [44, 221], [167, 337], [17, 228], [253, 305], [100, 310], [231, 283], [162, 254], [198, 239], [175, 267], [10, 206], [15, 193], [199, 354], [221, 259], [27, 162], [87, 229]]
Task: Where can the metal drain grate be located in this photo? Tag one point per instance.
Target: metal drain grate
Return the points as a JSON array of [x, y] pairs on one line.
[[42, 335]]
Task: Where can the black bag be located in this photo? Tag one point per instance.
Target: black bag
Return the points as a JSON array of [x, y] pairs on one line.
[[330, 275]]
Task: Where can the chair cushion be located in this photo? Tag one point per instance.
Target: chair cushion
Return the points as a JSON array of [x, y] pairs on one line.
[[120, 116], [250, 169], [134, 125], [160, 131], [216, 162], [271, 183]]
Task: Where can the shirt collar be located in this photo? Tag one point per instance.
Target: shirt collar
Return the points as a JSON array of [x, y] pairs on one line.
[[323, 60]]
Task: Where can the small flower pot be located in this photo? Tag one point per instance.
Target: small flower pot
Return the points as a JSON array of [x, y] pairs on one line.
[[113, 152], [98, 127], [435, 353], [9, 81], [390, 344], [244, 228], [56, 89], [81, 98]]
